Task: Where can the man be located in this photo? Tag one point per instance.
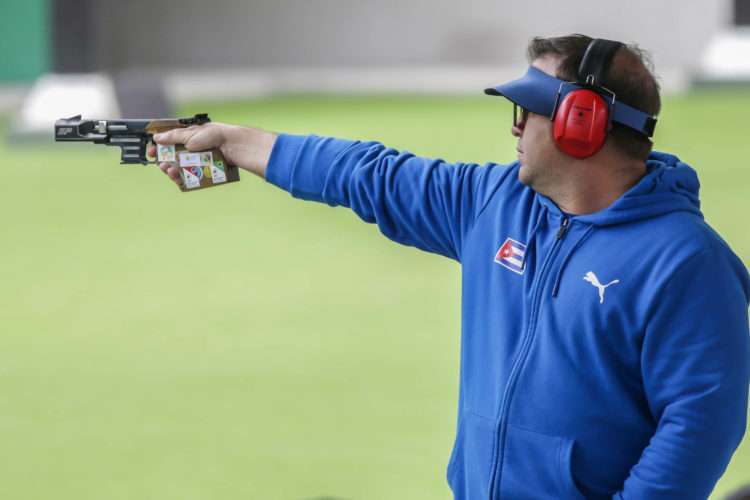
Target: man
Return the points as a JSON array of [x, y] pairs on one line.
[[604, 324]]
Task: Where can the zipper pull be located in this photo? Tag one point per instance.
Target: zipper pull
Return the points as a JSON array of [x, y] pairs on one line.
[[563, 228]]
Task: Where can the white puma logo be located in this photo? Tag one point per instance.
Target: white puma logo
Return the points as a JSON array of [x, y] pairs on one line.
[[591, 278]]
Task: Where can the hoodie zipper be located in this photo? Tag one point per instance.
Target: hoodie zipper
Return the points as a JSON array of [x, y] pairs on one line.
[[502, 424]]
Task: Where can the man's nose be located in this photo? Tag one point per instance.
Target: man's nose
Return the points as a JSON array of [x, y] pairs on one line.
[[517, 129]]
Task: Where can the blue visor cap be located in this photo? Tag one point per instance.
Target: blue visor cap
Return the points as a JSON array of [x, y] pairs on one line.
[[538, 92]]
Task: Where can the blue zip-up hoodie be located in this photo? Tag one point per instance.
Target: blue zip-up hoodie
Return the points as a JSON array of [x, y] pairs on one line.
[[602, 356]]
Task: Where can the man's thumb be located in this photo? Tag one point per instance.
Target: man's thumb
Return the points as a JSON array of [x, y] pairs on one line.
[[175, 136]]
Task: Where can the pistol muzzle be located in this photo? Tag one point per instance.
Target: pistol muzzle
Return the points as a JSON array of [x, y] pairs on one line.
[[75, 129]]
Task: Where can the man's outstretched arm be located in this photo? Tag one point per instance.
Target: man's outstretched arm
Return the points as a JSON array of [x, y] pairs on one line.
[[426, 203]]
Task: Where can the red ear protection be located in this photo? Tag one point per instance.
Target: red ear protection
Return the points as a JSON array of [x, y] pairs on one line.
[[581, 121]]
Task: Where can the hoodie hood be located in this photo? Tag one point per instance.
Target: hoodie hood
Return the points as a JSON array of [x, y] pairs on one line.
[[668, 186]]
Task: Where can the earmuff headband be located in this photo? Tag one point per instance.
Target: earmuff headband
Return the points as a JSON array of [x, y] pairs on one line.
[[596, 60]]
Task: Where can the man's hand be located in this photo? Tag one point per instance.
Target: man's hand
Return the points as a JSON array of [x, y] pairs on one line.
[[246, 148]]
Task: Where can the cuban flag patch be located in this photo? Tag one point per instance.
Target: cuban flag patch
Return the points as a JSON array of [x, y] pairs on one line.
[[511, 255]]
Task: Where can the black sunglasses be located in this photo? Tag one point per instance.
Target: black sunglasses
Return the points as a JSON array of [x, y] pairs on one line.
[[524, 114]]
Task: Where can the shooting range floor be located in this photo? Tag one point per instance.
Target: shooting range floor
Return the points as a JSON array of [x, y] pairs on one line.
[[236, 343]]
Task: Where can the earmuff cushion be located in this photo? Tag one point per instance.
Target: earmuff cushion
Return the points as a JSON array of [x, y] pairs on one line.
[[581, 123]]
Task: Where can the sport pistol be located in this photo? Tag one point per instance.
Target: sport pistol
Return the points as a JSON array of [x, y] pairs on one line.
[[198, 169]]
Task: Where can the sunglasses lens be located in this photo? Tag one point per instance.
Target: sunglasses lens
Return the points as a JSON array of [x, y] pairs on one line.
[[520, 115]]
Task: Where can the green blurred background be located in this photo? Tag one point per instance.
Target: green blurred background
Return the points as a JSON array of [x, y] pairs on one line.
[[236, 343]]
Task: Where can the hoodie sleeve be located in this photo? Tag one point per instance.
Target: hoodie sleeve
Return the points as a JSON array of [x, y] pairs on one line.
[[694, 361], [429, 204]]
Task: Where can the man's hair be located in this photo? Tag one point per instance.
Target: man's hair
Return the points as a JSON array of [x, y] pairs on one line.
[[630, 77]]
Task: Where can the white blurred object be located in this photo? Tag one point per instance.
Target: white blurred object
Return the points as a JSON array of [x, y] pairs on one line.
[[726, 57], [229, 84], [55, 96]]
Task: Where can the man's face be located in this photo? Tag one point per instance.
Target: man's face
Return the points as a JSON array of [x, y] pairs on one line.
[[541, 161]]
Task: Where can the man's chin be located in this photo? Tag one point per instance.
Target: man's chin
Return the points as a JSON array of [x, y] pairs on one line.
[[524, 176]]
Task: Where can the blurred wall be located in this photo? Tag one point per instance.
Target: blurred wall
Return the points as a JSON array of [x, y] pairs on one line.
[[261, 47], [24, 53], [314, 33]]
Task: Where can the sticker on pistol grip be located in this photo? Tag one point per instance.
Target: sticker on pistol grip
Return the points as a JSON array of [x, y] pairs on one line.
[[190, 159], [191, 176], [165, 152], [218, 174]]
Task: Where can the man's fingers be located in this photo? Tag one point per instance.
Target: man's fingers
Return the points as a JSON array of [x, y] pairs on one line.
[[151, 151], [172, 172], [204, 139]]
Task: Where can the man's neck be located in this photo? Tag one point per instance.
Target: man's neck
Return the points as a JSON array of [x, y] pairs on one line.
[[590, 189]]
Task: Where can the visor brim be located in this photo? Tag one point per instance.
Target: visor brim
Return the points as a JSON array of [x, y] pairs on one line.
[[535, 91]]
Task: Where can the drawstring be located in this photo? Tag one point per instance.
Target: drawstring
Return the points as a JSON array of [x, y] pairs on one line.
[[532, 237], [578, 243]]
